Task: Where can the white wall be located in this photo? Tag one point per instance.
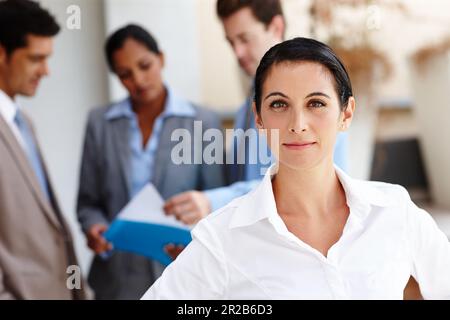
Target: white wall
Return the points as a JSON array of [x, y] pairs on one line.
[[77, 82], [173, 24], [223, 85]]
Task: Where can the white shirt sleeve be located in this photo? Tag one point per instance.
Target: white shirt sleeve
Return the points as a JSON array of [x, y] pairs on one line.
[[430, 251], [199, 272]]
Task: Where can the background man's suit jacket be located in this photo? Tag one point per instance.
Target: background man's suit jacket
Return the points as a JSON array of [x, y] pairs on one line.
[[35, 243]]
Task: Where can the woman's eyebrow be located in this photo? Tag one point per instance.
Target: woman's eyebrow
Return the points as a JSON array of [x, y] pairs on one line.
[[276, 94], [317, 94]]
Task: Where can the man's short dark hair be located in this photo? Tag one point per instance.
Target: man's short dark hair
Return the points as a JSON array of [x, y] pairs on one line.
[[263, 10], [131, 31], [19, 18]]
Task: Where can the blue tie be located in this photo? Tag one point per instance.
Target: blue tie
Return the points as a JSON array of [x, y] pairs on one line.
[[32, 152]]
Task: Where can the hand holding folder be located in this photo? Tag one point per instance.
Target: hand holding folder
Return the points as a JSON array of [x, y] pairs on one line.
[[143, 228]]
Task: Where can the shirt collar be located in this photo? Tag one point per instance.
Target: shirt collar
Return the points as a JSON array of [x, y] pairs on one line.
[[173, 107], [257, 205], [260, 203], [120, 109], [8, 107], [177, 107], [362, 195]]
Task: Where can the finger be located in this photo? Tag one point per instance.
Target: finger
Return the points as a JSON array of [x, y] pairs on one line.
[[170, 250], [102, 241], [172, 255], [102, 227], [168, 207], [190, 217], [92, 232], [180, 198], [182, 209], [169, 247], [104, 247], [95, 245], [175, 251], [92, 238], [96, 248], [98, 229]]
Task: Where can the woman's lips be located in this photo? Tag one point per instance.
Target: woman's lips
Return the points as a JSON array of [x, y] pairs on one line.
[[298, 145]]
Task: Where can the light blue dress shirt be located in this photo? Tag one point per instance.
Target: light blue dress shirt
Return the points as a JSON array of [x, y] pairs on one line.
[[253, 173], [142, 159], [32, 153]]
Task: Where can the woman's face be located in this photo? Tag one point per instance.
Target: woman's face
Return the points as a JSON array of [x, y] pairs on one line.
[[139, 70], [300, 100]]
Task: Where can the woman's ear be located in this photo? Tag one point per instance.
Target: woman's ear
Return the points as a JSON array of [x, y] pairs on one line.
[[347, 114], [258, 120]]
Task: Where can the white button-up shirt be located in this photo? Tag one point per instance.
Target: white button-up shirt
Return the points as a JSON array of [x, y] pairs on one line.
[[8, 110], [245, 251]]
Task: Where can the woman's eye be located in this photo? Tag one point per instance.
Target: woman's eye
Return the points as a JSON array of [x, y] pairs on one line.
[[316, 104], [277, 105]]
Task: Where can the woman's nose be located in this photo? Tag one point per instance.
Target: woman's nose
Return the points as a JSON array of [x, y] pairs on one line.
[[139, 79], [298, 123]]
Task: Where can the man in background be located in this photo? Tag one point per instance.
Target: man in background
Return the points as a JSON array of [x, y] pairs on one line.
[[35, 242]]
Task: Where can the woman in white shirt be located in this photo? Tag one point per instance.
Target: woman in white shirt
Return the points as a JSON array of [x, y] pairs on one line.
[[309, 231]]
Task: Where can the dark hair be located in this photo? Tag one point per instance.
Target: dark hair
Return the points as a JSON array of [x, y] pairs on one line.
[[304, 49], [263, 10], [19, 18], [118, 38]]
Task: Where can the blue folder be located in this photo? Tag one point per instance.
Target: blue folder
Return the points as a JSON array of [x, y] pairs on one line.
[[146, 239]]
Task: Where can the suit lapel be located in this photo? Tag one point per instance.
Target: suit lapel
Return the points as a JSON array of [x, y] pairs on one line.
[[27, 172], [120, 128]]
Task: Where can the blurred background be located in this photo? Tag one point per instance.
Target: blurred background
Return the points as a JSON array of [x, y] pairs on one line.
[[397, 52]]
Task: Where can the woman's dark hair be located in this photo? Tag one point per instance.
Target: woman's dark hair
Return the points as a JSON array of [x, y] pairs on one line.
[[20, 18], [131, 31], [304, 49]]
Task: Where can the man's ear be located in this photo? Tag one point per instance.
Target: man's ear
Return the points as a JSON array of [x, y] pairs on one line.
[[3, 55], [162, 59], [258, 120], [347, 114], [277, 26]]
